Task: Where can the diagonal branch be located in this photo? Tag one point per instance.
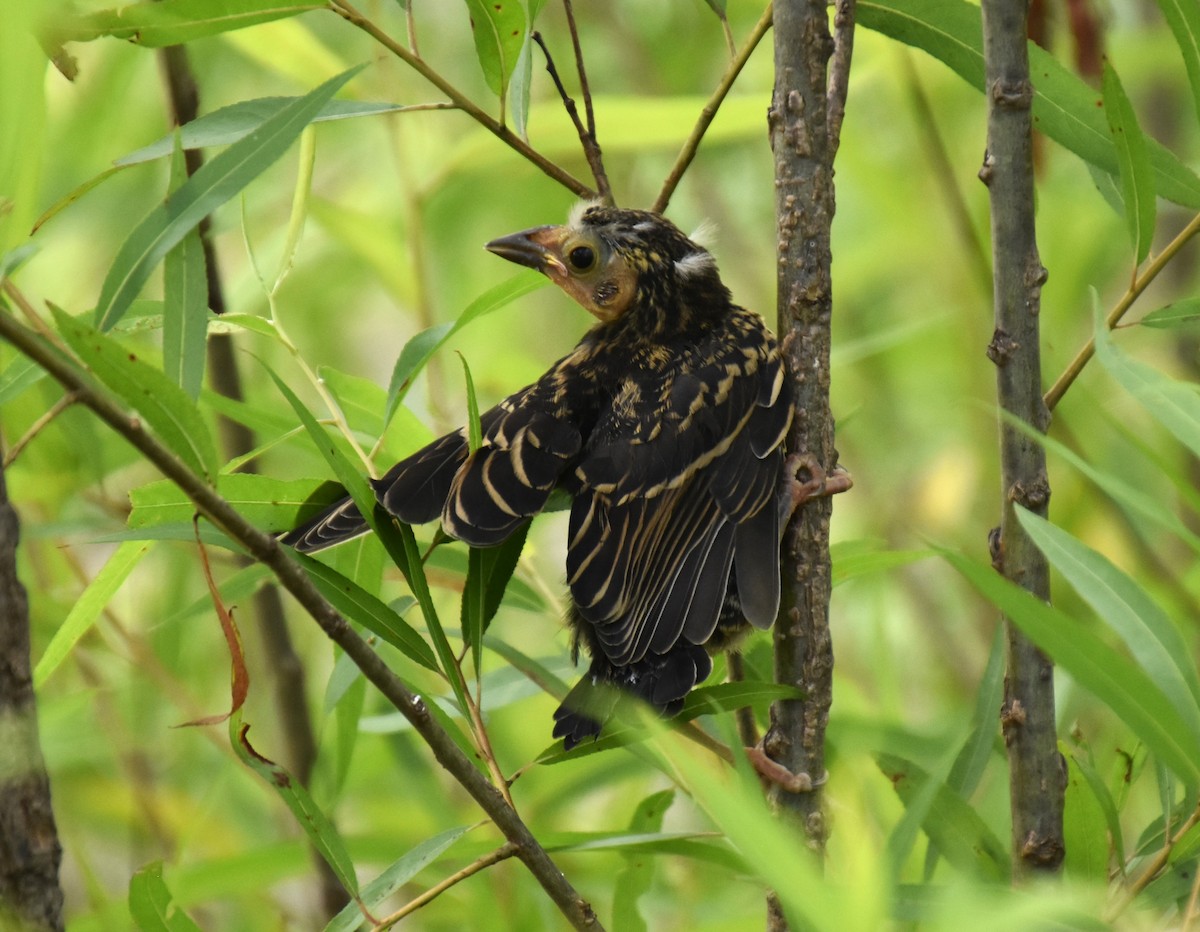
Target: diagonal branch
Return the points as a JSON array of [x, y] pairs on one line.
[[348, 12], [267, 550], [709, 111]]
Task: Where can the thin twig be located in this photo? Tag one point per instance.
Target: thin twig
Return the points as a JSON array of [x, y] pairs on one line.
[[1139, 284], [1155, 864], [410, 24], [38, 426], [583, 81], [348, 12], [839, 72], [484, 742], [268, 551], [502, 853], [709, 111], [587, 138], [1190, 913], [747, 727]]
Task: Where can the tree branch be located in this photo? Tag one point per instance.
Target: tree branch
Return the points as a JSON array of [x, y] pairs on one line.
[[839, 72], [1037, 773], [804, 214], [347, 11], [709, 111], [267, 550]]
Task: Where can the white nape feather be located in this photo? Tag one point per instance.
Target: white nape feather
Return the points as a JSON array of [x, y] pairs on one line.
[[575, 217], [705, 234], [695, 263]]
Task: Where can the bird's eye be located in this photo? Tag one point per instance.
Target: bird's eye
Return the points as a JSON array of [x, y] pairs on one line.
[[582, 258]]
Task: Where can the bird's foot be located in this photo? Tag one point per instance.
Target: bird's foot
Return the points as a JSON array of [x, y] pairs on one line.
[[774, 772], [796, 491]]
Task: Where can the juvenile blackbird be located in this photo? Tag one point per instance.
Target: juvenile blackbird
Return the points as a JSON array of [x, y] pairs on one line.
[[664, 425]]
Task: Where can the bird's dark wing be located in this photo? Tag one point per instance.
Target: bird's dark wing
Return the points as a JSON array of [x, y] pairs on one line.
[[678, 483]]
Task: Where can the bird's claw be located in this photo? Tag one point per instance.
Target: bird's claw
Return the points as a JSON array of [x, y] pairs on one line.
[[774, 772], [796, 491]]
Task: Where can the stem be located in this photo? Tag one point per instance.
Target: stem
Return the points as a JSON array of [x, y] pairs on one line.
[[1139, 284], [804, 207], [267, 550], [493, 857], [1037, 775], [839, 72], [1156, 864], [38, 426], [346, 11], [709, 111]]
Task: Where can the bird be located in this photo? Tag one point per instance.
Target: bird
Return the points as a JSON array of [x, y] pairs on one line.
[[665, 426]]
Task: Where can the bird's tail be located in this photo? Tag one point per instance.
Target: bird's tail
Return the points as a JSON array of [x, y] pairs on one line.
[[662, 681]]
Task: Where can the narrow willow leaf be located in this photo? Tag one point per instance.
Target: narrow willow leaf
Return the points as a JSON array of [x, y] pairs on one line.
[[394, 877], [499, 30], [358, 605], [959, 832], [151, 905], [519, 86], [1124, 606], [1172, 315], [185, 302], [1133, 162], [18, 377], [237, 121], [1183, 16], [321, 833], [275, 505], [161, 403], [1175, 405], [88, 606], [853, 558], [1107, 805], [214, 183], [1065, 108], [173, 22], [1085, 831], [488, 573], [15, 258], [1114, 679], [420, 349]]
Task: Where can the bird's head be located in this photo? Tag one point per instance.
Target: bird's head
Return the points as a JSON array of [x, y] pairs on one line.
[[615, 262]]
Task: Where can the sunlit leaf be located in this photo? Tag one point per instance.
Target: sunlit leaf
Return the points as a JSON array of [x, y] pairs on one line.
[[172, 22], [1065, 107], [161, 403], [212, 185], [1115, 680], [1133, 162], [274, 505]]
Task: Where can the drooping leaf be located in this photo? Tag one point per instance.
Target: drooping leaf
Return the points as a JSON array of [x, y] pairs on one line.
[[1065, 108], [212, 185], [1132, 695], [172, 22], [499, 30], [488, 573], [1133, 162], [1175, 405], [161, 403], [1183, 16], [151, 905], [185, 302]]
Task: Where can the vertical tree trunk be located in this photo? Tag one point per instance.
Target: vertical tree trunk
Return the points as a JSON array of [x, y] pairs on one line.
[[30, 897], [1037, 775], [804, 214]]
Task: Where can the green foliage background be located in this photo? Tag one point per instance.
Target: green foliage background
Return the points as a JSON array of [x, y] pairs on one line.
[[400, 205]]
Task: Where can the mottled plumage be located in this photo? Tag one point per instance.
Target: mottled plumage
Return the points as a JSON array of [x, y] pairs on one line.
[[664, 425]]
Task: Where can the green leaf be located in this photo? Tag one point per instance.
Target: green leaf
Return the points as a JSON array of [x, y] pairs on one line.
[[852, 558], [519, 86], [151, 905], [88, 606], [1065, 108], [322, 834], [185, 302], [489, 570], [1133, 161], [212, 185], [394, 877], [275, 505], [1112, 678], [1104, 799], [19, 376], [358, 605], [959, 832], [499, 30], [420, 349], [1124, 606], [161, 403], [474, 434], [1175, 405], [1172, 315], [1183, 16], [173, 22], [237, 121]]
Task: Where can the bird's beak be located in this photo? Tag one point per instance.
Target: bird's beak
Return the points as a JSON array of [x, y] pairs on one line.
[[536, 248]]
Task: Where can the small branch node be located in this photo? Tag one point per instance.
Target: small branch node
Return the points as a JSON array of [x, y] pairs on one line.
[[1001, 347], [1034, 495], [1012, 95], [988, 168]]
